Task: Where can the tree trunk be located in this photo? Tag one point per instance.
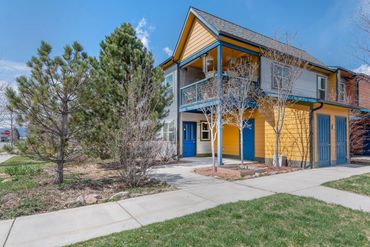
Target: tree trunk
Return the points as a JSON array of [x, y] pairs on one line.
[[213, 155], [277, 137], [59, 173], [241, 145]]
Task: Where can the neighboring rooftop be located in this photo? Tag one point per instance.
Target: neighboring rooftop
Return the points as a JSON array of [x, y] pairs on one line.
[[228, 28]]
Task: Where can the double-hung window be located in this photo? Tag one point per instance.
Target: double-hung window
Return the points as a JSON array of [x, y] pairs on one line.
[[205, 134], [280, 76], [168, 131], [342, 92], [322, 87], [168, 82]]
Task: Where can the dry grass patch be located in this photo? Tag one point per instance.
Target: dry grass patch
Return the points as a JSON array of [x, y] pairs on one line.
[[26, 186]]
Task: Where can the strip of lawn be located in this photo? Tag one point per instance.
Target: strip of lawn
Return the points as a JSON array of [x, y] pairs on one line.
[[358, 184], [278, 220]]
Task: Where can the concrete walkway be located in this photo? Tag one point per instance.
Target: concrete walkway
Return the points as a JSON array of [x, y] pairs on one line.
[[4, 157], [195, 193]]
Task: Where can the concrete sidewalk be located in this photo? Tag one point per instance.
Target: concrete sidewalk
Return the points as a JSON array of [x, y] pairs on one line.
[[195, 193], [4, 157]]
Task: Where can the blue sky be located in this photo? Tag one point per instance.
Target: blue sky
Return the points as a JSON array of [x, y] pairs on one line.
[[326, 29]]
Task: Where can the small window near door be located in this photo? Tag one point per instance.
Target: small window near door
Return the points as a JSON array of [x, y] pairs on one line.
[[322, 87], [204, 131]]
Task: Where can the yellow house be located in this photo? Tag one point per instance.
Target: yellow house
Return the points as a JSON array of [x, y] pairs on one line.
[[315, 131]]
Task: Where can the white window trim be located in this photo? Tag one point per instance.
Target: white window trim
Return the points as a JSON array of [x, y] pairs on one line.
[[319, 85], [202, 131], [282, 66], [171, 88], [166, 132]]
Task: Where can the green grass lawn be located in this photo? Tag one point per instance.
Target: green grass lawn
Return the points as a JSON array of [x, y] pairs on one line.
[[358, 184], [278, 220]]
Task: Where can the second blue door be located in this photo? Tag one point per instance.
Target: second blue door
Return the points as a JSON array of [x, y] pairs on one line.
[[341, 140], [323, 140], [248, 140], [189, 136]]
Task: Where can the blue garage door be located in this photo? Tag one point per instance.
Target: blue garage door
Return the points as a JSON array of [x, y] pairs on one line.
[[323, 140], [341, 140], [189, 136], [248, 140]]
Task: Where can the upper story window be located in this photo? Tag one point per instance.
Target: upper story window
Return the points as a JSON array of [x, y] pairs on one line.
[[357, 93], [342, 92], [168, 82], [322, 87], [280, 75]]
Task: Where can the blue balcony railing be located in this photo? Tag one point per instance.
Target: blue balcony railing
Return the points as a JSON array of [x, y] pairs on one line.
[[205, 90]]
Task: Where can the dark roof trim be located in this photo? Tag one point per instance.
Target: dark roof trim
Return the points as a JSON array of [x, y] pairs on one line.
[[166, 61], [211, 27]]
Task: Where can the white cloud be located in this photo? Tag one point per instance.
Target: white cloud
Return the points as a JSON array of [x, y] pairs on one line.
[[364, 69], [10, 70], [168, 51], [143, 30]]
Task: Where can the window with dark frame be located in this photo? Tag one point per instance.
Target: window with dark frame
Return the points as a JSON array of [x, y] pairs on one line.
[[205, 134], [322, 86], [342, 91], [357, 93]]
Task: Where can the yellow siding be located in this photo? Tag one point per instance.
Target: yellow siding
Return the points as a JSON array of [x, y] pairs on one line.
[[199, 37], [230, 140], [241, 44], [332, 111], [294, 140]]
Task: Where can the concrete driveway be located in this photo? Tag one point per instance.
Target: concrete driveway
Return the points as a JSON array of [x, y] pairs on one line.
[[195, 193]]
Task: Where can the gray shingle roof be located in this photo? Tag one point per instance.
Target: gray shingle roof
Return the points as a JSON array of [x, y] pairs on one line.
[[224, 26]]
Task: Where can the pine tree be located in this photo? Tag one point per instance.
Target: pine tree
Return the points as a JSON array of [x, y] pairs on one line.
[[48, 102], [122, 58]]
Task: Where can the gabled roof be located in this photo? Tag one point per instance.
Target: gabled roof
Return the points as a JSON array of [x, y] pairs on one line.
[[224, 27]]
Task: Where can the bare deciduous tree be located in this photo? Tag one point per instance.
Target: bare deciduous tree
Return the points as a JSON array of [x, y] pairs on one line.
[[4, 113], [287, 66], [212, 105], [134, 144], [364, 23], [241, 95]]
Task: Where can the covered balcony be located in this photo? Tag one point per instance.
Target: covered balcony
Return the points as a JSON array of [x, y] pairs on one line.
[[200, 79]]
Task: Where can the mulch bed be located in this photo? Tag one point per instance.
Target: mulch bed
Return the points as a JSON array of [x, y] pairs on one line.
[[236, 171]]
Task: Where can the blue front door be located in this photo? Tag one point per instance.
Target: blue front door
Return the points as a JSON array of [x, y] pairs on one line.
[[341, 140], [189, 136], [323, 140], [248, 140]]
